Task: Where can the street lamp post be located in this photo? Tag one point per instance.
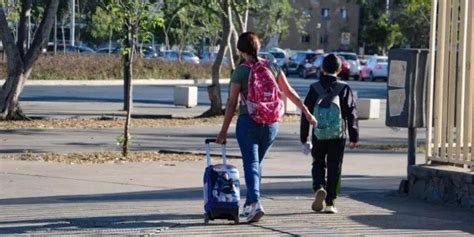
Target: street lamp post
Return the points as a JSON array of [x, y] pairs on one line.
[[73, 22], [318, 37]]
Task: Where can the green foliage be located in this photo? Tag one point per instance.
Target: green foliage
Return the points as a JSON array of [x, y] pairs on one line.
[[188, 22], [271, 17], [101, 25], [135, 17], [120, 141], [407, 25], [12, 10], [72, 66], [377, 29], [413, 17]]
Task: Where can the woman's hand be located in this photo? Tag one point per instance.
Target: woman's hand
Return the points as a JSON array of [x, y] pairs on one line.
[[309, 117], [221, 137]]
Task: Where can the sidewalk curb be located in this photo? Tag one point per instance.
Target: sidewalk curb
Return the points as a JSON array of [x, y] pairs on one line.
[[118, 82]]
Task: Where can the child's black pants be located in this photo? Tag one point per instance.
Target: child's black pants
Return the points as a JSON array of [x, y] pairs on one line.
[[327, 155]]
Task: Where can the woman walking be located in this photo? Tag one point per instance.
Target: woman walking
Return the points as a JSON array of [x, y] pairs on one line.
[[254, 136]]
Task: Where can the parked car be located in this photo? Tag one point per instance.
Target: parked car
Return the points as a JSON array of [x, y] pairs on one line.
[[280, 57], [173, 55], [297, 60], [146, 51], [376, 67], [107, 50], [169, 55], [352, 59], [268, 56], [345, 69], [314, 69], [209, 58], [189, 57], [69, 48]]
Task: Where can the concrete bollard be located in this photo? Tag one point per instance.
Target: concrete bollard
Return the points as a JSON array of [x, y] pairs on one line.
[[368, 108], [290, 108], [186, 96]]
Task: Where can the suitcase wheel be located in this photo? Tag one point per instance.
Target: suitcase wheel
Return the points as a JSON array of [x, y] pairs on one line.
[[236, 220], [206, 218]]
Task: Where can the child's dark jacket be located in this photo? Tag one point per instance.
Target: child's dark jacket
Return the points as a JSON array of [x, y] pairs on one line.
[[348, 109]]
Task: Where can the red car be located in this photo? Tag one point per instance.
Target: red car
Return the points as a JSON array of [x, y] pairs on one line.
[[345, 70]]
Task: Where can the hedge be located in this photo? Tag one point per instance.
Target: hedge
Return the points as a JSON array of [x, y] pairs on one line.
[[72, 66]]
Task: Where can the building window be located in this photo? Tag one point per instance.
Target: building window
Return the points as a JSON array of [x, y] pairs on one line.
[[305, 38], [324, 39], [325, 12], [344, 13]]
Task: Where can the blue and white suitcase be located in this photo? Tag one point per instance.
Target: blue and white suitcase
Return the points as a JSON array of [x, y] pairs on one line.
[[221, 188]]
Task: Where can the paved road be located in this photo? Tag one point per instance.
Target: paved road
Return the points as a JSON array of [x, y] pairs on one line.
[[153, 94]]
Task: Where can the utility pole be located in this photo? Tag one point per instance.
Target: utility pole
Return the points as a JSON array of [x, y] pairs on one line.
[[73, 22], [55, 34]]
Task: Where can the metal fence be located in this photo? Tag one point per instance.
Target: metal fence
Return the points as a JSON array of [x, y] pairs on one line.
[[450, 95]]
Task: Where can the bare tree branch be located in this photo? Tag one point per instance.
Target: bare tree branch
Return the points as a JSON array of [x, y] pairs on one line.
[[22, 26], [42, 34], [8, 42]]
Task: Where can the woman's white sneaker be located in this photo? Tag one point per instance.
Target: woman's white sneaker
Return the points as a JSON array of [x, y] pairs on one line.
[[246, 211], [256, 212]]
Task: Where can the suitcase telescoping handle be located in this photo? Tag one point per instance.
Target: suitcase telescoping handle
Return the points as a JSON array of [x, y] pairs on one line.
[[208, 152]]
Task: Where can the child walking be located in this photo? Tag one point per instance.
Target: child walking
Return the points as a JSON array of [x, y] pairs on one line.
[[332, 103]]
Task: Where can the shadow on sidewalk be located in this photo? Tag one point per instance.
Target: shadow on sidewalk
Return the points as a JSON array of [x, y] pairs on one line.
[[404, 212], [159, 222], [410, 213], [351, 184]]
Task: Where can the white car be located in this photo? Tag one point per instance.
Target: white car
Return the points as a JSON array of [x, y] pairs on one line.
[[169, 55], [280, 57], [173, 55], [189, 57], [376, 67]]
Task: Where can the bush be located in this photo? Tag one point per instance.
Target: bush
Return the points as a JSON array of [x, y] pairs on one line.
[[71, 66]]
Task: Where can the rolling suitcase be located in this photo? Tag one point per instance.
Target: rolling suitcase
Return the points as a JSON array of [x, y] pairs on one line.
[[221, 188]]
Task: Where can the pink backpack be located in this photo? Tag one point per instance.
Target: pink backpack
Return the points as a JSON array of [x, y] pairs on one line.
[[264, 103]]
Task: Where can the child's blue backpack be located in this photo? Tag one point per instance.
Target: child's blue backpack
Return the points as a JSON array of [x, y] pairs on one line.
[[327, 112]]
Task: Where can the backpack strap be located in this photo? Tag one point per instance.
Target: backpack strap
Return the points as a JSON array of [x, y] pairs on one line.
[[251, 65]]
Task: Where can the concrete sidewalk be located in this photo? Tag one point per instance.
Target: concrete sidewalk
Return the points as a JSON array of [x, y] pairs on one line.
[[165, 198]]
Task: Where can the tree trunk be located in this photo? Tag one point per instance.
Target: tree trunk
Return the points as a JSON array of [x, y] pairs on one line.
[[214, 90], [19, 61], [233, 47], [10, 94], [63, 37], [127, 74], [110, 40]]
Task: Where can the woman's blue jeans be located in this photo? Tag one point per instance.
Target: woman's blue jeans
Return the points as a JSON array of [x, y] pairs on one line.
[[254, 140]]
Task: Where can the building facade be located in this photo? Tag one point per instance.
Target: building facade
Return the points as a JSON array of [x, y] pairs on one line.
[[330, 25]]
